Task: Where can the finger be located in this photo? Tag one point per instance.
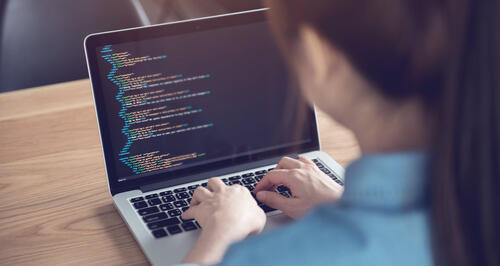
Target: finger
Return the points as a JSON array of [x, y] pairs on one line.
[[200, 194], [215, 184], [306, 160], [273, 200], [274, 178], [190, 213], [289, 163]]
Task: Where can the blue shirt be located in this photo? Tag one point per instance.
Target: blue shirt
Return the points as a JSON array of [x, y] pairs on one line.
[[381, 220]]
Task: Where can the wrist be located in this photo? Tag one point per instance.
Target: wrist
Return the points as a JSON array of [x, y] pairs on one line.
[[209, 248]]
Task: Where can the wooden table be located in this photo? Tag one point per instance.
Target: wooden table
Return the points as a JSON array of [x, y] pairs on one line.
[[55, 207]]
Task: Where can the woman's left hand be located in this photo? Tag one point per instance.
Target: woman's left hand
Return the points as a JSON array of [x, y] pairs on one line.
[[227, 214]]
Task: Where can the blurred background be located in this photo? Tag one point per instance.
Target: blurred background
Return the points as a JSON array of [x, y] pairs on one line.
[[41, 41]]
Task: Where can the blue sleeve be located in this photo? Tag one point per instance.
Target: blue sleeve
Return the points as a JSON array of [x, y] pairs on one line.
[[334, 235], [296, 244]]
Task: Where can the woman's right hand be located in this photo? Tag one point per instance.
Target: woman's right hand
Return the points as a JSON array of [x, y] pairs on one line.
[[309, 187]]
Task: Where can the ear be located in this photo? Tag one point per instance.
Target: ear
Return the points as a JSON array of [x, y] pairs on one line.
[[316, 54], [321, 60], [324, 70]]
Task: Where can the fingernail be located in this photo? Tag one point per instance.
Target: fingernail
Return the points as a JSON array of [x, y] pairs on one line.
[[261, 195]]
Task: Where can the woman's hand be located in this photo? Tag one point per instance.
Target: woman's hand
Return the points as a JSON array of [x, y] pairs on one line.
[[227, 214], [310, 187]]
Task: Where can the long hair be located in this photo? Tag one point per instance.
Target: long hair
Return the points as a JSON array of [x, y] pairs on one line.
[[446, 53]]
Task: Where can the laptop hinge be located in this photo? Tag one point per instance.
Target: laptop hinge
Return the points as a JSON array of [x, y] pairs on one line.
[[214, 173]]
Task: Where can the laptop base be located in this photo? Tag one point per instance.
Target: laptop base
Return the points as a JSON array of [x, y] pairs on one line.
[[173, 248]]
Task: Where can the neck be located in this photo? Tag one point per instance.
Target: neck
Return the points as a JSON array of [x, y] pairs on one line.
[[389, 127]]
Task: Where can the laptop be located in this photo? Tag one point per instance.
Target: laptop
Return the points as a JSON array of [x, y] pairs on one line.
[[182, 102]]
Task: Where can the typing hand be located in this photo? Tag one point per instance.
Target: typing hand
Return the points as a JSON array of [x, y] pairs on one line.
[[227, 214], [309, 187]]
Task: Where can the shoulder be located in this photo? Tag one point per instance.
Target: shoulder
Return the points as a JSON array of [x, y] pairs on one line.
[[339, 235]]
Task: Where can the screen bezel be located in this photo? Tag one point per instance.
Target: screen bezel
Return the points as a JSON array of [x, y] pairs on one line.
[[92, 42]]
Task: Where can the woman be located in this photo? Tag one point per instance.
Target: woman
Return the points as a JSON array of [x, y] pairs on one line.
[[417, 82]]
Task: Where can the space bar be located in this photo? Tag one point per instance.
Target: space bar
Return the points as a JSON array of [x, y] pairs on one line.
[[164, 223]]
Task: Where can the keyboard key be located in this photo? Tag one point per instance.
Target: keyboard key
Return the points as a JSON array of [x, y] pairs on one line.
[[320, 165], [174, 229], [164, 193], [191, 192], [148, 211], [267, 208], [248, 181], [159, 233], [189, 226], [315, 160], [174, 212], [184, 209], [136, 199], [164, 223], [182, 189], [285, 194], [193, 187], [140, 205], [204, 184], [326, 171], [235, 178], [247, 175], [249, 187], [169, 198], [235, 182], [155, 217], [151, 196], [270, 169], [259, 177], [224, 180], [261, 172], [282, 188], [182, 195], [155, 201], [167, 207], [180, 204]]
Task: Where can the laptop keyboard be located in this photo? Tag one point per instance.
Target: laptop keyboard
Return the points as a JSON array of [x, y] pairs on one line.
[[161, 212]]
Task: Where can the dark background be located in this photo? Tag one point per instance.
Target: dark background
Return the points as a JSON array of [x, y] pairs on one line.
[[41, 41]]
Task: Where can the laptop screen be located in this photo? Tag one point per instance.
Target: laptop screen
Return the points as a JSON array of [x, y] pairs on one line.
[[187, 100]]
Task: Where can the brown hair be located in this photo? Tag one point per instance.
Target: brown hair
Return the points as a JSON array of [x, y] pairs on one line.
[[446, 52]]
